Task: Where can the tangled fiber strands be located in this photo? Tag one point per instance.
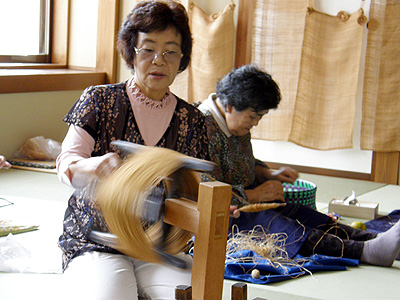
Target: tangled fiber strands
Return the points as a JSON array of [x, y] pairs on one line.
[[270, 248], [121, 198]]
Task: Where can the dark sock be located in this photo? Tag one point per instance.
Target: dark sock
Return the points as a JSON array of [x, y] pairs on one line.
[[384, 249]]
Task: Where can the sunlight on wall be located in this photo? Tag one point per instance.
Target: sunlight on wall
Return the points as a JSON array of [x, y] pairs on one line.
[[83, 33]]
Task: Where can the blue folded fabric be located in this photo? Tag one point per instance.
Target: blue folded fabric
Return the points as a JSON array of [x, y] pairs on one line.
[[274, 273], [383, 223]]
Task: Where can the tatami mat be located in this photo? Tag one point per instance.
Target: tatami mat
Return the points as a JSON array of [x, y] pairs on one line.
[[329, 187], [363, 282]]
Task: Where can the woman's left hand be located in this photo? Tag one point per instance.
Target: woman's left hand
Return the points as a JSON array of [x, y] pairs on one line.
[[269, 191], [284, 174], [235, 213], [3, 163]]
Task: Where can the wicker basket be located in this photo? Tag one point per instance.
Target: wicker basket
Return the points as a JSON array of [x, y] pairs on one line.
[[301, 192]]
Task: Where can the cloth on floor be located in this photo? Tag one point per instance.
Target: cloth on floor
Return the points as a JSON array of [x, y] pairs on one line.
[[293, 220], [383, 223], [274, 273], [20, 257]]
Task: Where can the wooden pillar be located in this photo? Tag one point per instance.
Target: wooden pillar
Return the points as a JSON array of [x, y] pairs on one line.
[[107, 29], [239, 291], [210, 241], [385, 167], [183, 292], [244, 32]]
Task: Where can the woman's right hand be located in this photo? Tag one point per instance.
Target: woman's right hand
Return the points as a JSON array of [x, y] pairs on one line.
[[269, 191], [98, 167], [234, 211], [3, 163]]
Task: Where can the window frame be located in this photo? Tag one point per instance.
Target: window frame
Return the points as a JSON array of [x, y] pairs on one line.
[[57, 75]]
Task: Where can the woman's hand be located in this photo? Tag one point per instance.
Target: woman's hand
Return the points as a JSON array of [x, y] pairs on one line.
[[284, 174], [86, 170], [3, 163], [235, 213], [268, 191]]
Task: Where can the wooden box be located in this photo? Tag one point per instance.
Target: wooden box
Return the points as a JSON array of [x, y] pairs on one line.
[[363, 210]]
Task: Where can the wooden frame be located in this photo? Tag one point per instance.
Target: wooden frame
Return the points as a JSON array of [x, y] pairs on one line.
[[385, 166], [59, 34], [107, 29], [244, 32], [208, 219], [238, 292]]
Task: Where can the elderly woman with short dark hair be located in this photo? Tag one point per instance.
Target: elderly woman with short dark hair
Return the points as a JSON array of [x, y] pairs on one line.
[[156, 43], [242, 98]]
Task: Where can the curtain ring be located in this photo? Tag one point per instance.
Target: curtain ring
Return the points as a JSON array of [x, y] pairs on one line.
[[342, 16], [362, 19]]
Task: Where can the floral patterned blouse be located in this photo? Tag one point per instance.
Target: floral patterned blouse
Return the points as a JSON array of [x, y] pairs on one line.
[[106, 114], [234, 159]]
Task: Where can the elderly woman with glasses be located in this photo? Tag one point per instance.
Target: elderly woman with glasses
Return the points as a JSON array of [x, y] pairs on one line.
[[155, 42]]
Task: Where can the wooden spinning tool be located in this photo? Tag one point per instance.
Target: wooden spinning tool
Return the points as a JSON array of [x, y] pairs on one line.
[[207, 219]]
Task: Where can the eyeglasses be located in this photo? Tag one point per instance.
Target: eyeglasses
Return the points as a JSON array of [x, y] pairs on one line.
[[150, 55]]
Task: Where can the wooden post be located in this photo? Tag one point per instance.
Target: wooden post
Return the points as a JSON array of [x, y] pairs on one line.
[[244, 32], [183, 292], [210, 241], [208, 219], [239, 291], [107, 28], [385, 167]]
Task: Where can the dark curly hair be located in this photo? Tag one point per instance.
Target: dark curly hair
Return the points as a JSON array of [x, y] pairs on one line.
[[248, 87], [155, 15]]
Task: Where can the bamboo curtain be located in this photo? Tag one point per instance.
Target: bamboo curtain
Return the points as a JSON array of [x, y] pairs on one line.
[[315, 58], [212, 55]]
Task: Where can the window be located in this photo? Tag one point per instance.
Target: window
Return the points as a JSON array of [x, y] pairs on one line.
[[25, 31], [57, 74]]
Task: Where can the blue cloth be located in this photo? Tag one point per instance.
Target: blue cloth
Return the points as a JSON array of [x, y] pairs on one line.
[[383, 223], [294, 220], [270, 273]]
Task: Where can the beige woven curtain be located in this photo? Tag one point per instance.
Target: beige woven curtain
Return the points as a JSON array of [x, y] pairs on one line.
[[326, 95], [278, 31], [318, 108], [213, 52], [381, 100]]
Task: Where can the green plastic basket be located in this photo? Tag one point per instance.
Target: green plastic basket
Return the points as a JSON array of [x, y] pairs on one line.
[[301, 192]]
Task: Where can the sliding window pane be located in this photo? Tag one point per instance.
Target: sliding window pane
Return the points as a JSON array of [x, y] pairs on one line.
[[24, 30]]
